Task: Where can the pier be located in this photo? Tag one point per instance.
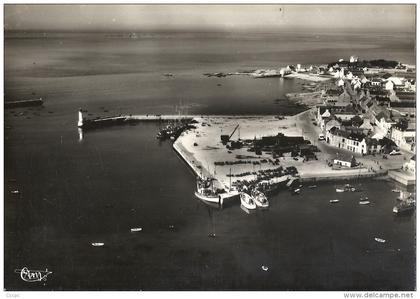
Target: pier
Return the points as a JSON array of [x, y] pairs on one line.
[[23, 103]]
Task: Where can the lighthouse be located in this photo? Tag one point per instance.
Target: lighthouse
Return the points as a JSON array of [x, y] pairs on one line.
[[80, 122]]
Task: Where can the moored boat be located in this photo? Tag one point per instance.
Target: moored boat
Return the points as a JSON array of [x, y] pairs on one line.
[[345, 188], [334, 201], [379, 240], [404, 207], [247, 201], [205, 190], [98, 244], [260, 199]]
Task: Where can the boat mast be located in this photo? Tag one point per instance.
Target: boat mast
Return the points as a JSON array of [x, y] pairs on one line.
[[230, 179]]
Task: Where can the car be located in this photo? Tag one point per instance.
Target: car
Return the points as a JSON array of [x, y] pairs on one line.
[[321, 137]]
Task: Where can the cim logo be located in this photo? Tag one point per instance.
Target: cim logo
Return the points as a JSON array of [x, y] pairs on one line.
[[33, 275]]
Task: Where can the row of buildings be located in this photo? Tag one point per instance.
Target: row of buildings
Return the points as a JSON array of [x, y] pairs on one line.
[[369, 111]]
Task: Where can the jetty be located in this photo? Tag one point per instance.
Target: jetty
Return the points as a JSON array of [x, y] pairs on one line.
[[23, 103], [93, 123]]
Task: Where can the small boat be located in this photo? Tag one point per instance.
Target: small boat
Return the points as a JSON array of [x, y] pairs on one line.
[[404, 207], [396, 190], [247, 201], [296, 191], [312, 186], [334, 201], [260, 199], [346, 188], [364, 202], [15, 191], [136, 229], [379, 240], [264, 268], [98, 244]]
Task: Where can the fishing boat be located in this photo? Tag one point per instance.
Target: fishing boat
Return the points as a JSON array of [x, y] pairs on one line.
[[260, 199], [346, 188], [247, 201], [98, 244], [364, 202], [15, 192], [136, 229], [334, 200], [379, 240], [405, 206], [205, 190]]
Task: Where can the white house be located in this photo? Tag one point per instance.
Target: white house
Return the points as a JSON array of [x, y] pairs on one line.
[[343, 161], [411, 165], [404, 139], [389, 85], [376, 82], [398, 81], [353, 59]]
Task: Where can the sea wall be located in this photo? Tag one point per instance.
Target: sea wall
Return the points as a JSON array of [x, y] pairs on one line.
[[339, 177]]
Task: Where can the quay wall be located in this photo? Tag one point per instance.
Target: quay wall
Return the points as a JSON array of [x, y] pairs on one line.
[[184, 155], [329, 177]]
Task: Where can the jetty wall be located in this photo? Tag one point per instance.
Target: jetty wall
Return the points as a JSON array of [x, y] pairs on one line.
[[338, 177]]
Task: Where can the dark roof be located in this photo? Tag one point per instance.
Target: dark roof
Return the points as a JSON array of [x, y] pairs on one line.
[[372, 142], [346, 134]]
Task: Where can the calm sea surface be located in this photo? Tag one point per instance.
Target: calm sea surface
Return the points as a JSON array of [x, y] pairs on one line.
[[95, 190]]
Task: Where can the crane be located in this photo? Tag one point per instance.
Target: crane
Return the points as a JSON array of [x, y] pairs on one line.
[[225, 138]]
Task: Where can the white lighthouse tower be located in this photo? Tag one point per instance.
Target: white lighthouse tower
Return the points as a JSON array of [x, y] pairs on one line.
[[80, 122]]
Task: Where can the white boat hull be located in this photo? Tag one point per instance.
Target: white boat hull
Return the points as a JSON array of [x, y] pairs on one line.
[[247, 201], [215, 199]]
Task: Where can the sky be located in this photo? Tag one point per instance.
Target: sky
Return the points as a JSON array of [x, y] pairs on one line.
[[225, 17]]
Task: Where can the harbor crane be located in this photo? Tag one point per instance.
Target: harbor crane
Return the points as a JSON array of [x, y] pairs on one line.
[[225, 138]]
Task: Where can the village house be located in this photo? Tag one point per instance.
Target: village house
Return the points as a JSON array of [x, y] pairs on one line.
[[404, 139], [410, 165], [354, 142], [343, 139], [344, 161]]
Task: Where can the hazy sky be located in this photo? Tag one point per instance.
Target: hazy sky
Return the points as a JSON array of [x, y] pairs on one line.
[[209, 17]]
